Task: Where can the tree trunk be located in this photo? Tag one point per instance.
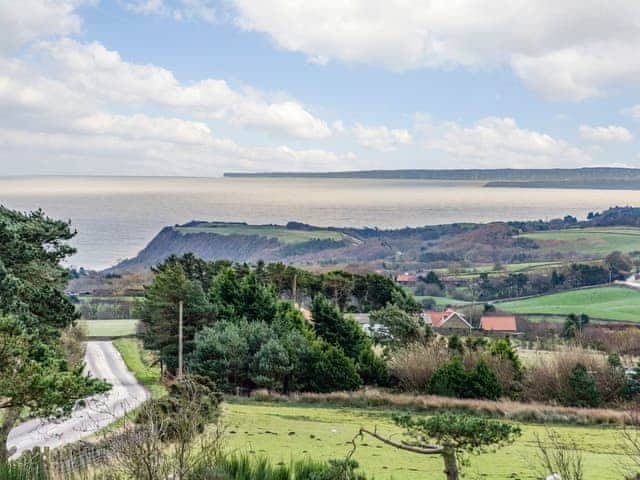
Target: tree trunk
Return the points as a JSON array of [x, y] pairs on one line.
[[450, 464], [10, 418]]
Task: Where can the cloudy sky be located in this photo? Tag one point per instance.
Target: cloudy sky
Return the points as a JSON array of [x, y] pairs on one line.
[[199, 87]]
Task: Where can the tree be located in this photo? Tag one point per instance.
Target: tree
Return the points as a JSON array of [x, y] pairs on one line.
[[331, 325], [402, 327], [573, 326], [450, 380], [159, 315], [258, 301], [271, 365], [618, 263], [35, 376], [581, 388], [451, 436], [221, 353]]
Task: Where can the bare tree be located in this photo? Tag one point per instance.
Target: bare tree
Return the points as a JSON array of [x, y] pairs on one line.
[[559, 456]]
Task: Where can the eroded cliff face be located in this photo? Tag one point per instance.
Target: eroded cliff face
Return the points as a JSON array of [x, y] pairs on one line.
[[209, 246]]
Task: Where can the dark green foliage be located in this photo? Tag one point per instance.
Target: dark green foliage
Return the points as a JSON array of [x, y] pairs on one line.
[[432, 278], [455, 344], [581, 388], [337, 329], [244, 467], [503, 348], [402, 328], [573, 325], [159, 315], [35, 376], [459, 431], [483, 382], [372, 369], [451, 380], [328, 369]]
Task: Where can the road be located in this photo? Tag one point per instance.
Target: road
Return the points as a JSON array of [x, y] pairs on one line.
[[103, 361]]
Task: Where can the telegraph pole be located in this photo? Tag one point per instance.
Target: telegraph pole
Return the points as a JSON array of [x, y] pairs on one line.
[[180, 340]]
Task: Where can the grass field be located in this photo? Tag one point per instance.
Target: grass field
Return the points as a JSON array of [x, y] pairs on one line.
[[109, 328], [607, 303], [282, 432], [589, 241], [443, 301], [283, 235], [285, 431]]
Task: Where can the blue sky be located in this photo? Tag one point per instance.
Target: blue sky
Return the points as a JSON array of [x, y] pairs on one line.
[[199, 87]]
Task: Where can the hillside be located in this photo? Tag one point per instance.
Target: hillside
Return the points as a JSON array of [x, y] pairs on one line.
[[436, 246]]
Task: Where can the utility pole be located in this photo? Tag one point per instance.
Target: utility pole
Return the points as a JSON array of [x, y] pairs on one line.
[[180, 340]]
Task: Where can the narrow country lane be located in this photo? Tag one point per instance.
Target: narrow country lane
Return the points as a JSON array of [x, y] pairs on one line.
[[103, 361]]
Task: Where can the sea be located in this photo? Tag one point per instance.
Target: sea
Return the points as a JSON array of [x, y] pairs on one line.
[[115, 217]]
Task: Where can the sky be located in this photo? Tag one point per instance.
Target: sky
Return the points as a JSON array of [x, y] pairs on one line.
[[202, 87]]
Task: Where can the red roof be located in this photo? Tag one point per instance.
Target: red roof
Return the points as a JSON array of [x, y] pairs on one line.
[[438, 318], [406, 278], [500, 324]]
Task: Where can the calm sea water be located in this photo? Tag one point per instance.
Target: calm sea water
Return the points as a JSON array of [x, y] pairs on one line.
[[116, 217]]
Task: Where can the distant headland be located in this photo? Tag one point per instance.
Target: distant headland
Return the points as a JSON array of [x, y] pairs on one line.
[[586, 177]]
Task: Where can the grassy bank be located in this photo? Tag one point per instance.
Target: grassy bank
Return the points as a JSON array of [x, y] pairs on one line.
[[607, 303], [142, 365]]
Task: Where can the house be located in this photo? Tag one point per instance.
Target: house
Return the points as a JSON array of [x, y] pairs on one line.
[[406, 279], [447, 320], [499, 324]]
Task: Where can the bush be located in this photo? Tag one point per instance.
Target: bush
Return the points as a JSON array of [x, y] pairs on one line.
[[547, 380], [450, 380], [581, 388], [483, 383]]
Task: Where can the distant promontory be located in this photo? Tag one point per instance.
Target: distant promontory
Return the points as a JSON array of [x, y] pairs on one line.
[[586, 177]]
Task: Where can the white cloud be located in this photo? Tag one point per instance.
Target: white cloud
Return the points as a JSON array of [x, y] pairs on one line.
[[633, 112], [94, 69], [499, 142], [178, 10], [26, 20], [560, 49], [381, 138], [611, 133]]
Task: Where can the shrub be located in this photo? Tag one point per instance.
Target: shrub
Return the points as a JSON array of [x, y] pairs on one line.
[[483, 382], [581, 388], [450, 380]]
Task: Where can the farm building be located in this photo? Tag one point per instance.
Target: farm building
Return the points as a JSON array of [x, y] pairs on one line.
[[447, 320], [499, 324], [406, 279]]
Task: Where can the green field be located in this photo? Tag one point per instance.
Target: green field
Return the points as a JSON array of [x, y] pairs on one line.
[[589, 241], [443, 301], [283, 235], [283, 432], [109, 328], [607, 303]]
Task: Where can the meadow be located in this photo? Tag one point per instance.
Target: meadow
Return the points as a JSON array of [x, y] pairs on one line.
[[284, 431], [109, 328], [283, 235], [589, 241], [605, 303]]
